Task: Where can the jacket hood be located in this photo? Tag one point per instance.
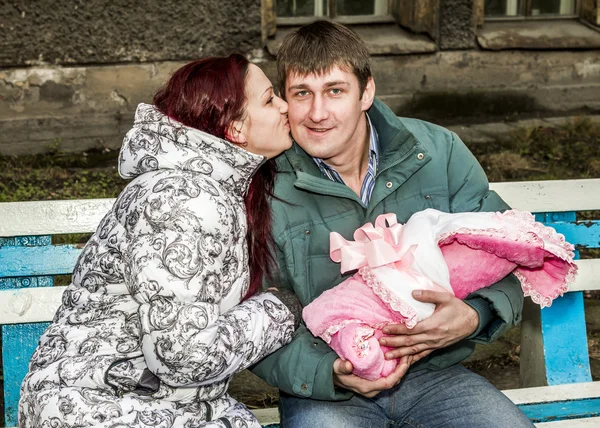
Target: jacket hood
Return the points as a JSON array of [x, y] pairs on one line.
[[158, 142]]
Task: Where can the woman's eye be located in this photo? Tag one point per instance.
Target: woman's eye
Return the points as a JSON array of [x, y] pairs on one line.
[[270, 100]]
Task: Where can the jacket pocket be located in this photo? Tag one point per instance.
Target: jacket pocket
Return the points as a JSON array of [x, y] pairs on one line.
[[297, 265]]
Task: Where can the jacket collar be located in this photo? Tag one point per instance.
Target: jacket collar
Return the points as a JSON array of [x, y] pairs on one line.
[[158, 142]]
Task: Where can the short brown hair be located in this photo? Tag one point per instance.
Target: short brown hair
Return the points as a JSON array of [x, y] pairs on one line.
[[319, 46]]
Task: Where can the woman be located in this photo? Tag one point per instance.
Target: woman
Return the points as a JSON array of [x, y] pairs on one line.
[[163, 310]]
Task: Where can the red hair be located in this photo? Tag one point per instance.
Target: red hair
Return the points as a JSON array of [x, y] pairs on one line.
[[209, 94]]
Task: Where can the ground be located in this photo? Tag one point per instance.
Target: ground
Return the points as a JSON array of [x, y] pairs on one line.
[[570, 150]]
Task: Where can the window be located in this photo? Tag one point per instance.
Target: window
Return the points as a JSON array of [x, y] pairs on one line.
[[530, 9], [538, 24], [347, 11], [376, 21]]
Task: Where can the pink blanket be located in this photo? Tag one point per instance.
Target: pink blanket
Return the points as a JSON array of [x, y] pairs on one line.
[[458, 253]]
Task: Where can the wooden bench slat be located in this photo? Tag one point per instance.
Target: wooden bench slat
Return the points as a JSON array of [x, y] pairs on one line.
[[52, 217], [29, 304], [546, 394], [571, 423], [582, 234], [267, 416], [562, 410], [551, 195], [566, 356], [43, 302], [61, 259], [18, 344], [34, 261], [83, 216], [588, 275], [19, 341]]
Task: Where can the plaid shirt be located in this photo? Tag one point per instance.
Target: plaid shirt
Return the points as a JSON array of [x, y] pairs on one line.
[[369, 182]]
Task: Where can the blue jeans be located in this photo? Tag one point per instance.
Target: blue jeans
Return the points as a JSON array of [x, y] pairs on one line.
[[454, 397]]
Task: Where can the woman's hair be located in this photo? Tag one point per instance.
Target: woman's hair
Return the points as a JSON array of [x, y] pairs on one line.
[[209, 94]]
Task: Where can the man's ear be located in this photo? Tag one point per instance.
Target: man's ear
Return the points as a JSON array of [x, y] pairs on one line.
[[368, 95], [235, 133]]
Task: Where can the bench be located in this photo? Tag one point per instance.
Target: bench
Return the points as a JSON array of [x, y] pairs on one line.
[[554, 350]]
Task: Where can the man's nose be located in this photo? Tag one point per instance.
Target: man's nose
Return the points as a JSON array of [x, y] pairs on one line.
[[318, 110]]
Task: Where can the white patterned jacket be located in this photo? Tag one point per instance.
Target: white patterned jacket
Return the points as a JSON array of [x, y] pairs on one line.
[[154, 307]]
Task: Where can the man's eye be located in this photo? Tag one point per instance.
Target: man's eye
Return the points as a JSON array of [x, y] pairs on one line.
[[335, 91], [301, 93]]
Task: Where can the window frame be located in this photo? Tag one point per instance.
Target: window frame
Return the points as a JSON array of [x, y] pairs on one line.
[[413, 31], [289, 21], [526, 7]]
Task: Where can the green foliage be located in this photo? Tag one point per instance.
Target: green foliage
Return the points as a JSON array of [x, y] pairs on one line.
[[60, 176], [567, 151]]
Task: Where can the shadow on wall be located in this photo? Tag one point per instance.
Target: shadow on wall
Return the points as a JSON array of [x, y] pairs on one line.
[[448, 107]]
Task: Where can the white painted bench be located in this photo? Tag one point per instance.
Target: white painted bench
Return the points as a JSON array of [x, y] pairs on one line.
[[556, 352]]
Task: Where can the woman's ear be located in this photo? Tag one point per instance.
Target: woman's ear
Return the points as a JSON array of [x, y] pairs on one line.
[[235, 133]]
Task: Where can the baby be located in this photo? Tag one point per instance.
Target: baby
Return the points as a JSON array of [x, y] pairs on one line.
[[457, 253]]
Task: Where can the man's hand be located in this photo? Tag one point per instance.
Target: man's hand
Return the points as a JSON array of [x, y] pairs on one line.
[[343, 377], [452, 321]]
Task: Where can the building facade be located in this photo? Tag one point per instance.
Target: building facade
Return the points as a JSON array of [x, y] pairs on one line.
[[73, 71]]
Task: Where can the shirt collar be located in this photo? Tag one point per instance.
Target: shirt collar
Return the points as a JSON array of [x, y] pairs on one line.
[[373, 158]]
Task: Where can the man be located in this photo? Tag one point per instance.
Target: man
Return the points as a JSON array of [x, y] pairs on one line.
[[353, 160]]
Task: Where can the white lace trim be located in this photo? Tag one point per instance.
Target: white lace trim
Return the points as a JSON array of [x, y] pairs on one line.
[[545, 301], [396, 304], [532, 232], [528, 231]]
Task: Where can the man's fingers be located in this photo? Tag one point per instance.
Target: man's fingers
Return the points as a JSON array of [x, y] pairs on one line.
[[401, 341], [397, 329], [410, 350], [342, 367], [421, 355], [395, 377], [430, 296]]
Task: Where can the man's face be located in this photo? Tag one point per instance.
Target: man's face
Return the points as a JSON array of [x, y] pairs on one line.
[[325, 111]]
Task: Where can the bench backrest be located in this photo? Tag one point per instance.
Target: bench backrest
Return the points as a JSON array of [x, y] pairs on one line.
[[28, 260]]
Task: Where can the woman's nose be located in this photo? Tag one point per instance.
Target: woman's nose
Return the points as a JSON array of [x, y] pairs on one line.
[[283, 105]]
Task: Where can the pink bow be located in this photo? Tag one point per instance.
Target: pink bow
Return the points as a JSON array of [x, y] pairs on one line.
[[373, 246]]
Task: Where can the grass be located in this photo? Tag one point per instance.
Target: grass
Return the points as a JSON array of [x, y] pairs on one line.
[[86, 175], [543, 153]]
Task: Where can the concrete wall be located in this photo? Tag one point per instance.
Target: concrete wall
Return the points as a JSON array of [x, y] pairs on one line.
[[106, 31], [75, 108], [73, 72], [456, 26]]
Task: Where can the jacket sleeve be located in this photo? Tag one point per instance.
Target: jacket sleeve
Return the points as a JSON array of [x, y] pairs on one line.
[[500, 305], [178, 271], [304, 367]]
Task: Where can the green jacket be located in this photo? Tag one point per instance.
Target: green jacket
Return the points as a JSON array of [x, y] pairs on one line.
[[420, 166]]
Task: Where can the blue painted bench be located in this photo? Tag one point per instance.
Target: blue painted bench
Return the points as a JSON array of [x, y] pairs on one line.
[[554, 351]]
